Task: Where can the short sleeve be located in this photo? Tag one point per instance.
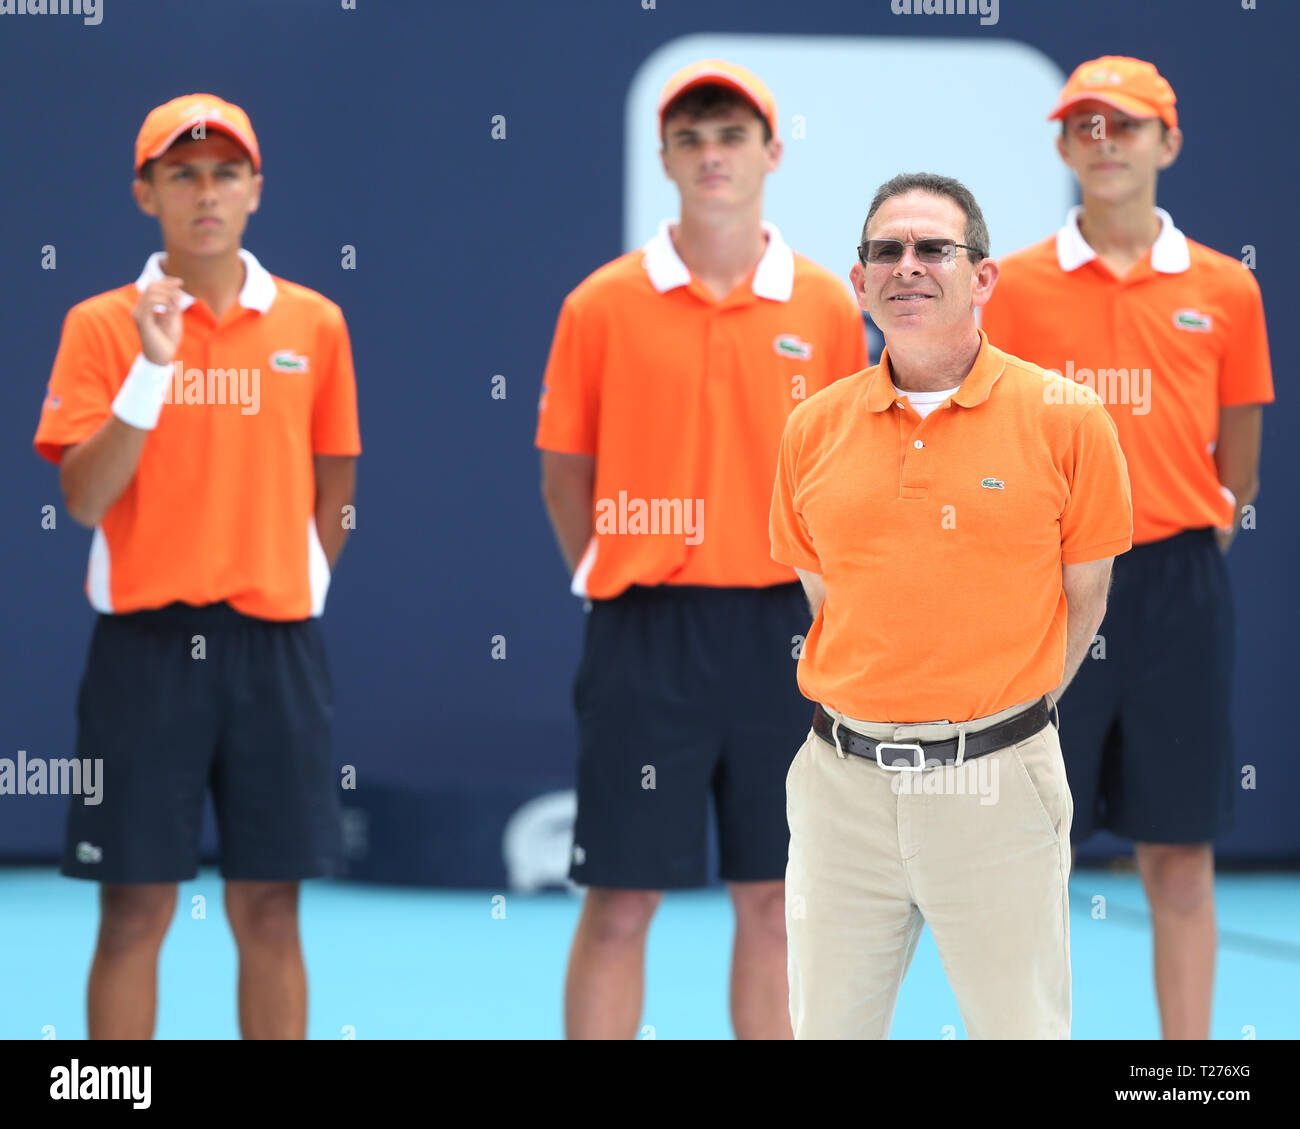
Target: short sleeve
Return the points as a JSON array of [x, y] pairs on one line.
[[334, 426], [80, 393], [1097, 520], [791, 542], [1247, 375], [568, 411]]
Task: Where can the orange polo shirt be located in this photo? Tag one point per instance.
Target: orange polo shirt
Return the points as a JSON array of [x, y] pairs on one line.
[[222, 503], [1168, 345], [940, 541], [682, 398]]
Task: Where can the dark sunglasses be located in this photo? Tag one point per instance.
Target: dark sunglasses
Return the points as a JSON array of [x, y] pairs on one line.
[[931, 251]]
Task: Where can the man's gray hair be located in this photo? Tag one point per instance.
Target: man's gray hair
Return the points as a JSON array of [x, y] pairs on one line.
[[977, 232]]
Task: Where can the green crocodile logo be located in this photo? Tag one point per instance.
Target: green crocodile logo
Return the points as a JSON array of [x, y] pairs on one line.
[[1193, 320], [789, 345], [286, 360]]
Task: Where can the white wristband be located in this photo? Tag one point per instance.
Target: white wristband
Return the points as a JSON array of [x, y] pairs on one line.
[[139, 401]]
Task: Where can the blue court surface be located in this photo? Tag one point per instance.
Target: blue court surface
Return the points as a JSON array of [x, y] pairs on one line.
[[430, 964]]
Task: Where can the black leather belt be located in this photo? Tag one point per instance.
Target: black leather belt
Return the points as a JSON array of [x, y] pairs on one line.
[[917, 755]]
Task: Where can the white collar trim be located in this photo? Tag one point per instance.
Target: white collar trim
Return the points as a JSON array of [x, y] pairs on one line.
[[258, 291], [773, 279], [1169, 253]]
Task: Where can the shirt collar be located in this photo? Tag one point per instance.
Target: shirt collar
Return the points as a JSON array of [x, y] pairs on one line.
[[974, 390], [257, 293], [1169, 253], [773, 278]]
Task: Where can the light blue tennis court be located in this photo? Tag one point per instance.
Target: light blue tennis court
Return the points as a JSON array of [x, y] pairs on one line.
[[435, 964]]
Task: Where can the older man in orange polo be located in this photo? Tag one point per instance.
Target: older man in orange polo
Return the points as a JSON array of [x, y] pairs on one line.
[[953, 516]]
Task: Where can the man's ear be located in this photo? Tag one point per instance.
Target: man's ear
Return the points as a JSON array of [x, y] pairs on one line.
[[775, 150], [1170, 146], [143, 192], [256, 199], [1060, 148], [986, 277], [858, 277]]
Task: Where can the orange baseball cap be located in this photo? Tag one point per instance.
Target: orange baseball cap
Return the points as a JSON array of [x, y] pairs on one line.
[[1131, 85], [718, 72], [167, 122]]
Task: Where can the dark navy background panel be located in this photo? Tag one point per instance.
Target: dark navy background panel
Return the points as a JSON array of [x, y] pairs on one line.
[[375, 125]]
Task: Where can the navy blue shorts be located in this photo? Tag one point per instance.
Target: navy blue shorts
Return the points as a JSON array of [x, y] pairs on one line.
[[250, 721], [687, 696], [1146, 731]]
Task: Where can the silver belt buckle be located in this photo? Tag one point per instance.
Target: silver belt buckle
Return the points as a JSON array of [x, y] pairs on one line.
[[917, 767]]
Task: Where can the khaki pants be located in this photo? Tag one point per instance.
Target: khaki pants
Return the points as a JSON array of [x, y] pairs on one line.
[[980, 851]]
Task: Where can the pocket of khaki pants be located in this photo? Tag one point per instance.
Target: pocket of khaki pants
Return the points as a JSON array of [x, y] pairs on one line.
[[1038, 757]]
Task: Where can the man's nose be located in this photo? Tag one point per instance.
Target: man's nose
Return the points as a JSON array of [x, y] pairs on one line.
[[908, 263], [1105, 138]]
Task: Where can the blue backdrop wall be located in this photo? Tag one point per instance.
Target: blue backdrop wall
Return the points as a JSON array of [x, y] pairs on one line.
[[376, 128]]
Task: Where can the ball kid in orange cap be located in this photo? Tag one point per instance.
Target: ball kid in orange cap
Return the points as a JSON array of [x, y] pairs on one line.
[[203, 419], [1171, 334]]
